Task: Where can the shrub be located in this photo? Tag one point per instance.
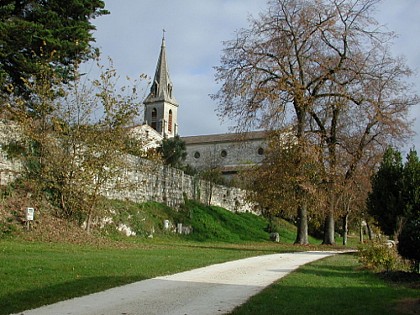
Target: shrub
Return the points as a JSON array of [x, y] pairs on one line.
[[7, 227], [379, 256], [409, 242]]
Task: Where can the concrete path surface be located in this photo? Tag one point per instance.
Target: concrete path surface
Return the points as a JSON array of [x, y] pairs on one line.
[[216, 289]]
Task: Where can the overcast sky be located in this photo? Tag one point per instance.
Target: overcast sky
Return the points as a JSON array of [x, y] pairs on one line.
[[195, 29]]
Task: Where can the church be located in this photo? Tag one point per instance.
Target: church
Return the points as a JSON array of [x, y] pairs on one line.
[[228, 152]]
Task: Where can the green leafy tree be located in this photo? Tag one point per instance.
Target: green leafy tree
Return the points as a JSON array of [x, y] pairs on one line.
[[173, 151], [35, 33]]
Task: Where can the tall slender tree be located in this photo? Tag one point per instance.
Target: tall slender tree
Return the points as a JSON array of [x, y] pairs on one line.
[[411, 185], [409, 236]]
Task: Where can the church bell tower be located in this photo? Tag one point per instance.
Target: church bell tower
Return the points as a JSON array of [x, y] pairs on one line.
[[161, 108]]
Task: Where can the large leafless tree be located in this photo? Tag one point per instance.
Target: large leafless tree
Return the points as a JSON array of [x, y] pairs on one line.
[[324, 68]]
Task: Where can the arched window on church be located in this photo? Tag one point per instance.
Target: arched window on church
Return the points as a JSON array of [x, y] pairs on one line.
[[170, 121], [154, 118], [155, 89]]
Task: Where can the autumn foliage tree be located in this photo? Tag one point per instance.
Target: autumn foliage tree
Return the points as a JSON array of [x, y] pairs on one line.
[[323, 69], [288, 178], [75, 145]]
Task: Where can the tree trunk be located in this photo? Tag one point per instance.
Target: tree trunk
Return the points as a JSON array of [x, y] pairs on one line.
[[329, 230], [361, 232], [210, 194], [399, 226], [369, 230], [345, 228], [302, 213], [302, 226], [88, 222], [91, 208]]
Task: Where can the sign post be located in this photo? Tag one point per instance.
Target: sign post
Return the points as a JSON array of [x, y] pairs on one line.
[[29, 216]]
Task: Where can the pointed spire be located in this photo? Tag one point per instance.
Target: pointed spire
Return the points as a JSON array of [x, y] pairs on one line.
[[161, 89]]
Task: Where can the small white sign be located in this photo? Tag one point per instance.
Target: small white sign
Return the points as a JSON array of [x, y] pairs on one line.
[[30, 214]]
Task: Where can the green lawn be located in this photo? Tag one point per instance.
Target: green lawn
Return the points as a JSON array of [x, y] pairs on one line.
[[335, 285], [33, 274], [42, 266]]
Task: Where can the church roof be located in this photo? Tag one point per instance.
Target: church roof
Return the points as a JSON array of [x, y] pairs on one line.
[[161, 89], [225, 137]]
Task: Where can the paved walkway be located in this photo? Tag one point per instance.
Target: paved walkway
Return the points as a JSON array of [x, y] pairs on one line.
[[216, 289]]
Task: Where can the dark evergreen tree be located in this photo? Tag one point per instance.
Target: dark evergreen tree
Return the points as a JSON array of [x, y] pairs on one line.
[[35, 33], [385, 200], [411, 185], [409, 241]]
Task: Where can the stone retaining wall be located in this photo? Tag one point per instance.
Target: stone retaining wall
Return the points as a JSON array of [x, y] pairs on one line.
[[143, 180]]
